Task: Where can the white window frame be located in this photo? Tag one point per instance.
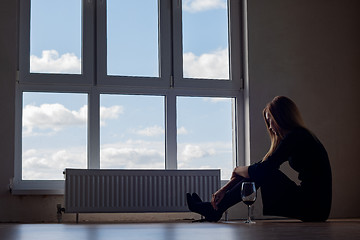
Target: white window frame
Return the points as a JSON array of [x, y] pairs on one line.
[[94, 81], [163, 80], [87, 67], [235, 61]]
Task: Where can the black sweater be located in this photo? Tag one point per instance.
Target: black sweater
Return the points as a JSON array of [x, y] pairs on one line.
[[308, 157]]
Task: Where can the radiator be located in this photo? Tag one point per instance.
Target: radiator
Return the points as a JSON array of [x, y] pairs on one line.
[[105, 190]]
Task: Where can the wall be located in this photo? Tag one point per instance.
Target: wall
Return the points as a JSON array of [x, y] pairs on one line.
[[7, 96], [307, 50]]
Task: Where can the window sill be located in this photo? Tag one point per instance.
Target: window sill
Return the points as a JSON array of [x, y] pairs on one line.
[[37, 187]]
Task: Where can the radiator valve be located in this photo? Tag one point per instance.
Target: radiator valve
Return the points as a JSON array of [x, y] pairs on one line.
[[59, 212]]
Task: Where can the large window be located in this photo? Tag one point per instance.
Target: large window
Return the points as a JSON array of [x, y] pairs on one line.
[[154, 84]]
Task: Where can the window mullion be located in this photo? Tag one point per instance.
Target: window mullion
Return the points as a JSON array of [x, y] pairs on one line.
[[89, 64], [170, 60], [101, 60], [88, 41], [165, 45], [235, 31], [239, 140], [93, 130], [18, 134], [170, 131], [177, 43]]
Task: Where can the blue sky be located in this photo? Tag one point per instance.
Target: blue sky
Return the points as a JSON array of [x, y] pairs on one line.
[[132, 127], [139, 46]]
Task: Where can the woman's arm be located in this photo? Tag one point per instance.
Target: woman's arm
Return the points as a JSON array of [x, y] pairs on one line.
[[242, 171], [218, 196]]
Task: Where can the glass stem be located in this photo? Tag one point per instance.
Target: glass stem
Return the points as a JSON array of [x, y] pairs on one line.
[[249, 206]]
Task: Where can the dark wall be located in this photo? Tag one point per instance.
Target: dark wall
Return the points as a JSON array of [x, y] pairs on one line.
[[310, 51]]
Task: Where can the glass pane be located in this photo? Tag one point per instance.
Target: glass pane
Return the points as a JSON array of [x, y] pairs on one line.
[[204, 137], [54, 134], [132, 132], [55, 36], [205, 39], [132, 38]]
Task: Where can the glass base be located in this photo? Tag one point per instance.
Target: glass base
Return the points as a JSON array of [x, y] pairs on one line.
[[249, 222]]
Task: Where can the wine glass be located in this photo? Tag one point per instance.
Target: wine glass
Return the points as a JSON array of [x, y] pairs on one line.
[[248, 195]]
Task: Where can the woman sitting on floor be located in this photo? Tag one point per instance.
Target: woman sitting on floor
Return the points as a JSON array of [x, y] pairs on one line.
[[290, 141]]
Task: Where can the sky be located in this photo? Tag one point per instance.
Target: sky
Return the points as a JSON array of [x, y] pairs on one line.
[[132, 128]]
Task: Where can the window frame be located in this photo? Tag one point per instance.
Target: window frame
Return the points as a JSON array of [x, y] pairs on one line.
[[235, 80], [163, 81], [94, 82], [87, 51]]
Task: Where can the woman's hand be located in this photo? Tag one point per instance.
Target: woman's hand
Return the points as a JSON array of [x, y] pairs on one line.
[[237, 175], [217, 197], [242, 171]]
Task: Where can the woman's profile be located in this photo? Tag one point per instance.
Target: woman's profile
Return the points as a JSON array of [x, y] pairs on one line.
[[290, 141]]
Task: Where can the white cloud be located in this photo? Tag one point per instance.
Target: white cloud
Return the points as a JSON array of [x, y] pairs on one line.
[[157, 130], [51, 62], [191, 152], [52, 116], [213, 65], [206, 155], [203, 5], [182, 131], [55, 117], [151, 131], [50, 163], [133, 154], [112, 112], [202, 153]]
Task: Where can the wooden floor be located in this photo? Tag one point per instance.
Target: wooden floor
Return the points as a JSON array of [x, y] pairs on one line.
[[265, 229]]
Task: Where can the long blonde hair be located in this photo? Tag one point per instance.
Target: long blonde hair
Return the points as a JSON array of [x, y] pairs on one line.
[[285, 115]]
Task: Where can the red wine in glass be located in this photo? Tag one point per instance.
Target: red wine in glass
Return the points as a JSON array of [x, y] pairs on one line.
[[248, 195], [249, 203]]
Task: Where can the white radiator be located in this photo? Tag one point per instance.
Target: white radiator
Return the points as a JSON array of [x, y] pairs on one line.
[[104, 191]]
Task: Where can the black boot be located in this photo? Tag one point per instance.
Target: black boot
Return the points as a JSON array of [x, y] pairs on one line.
[[196, 197], [203, 208]]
